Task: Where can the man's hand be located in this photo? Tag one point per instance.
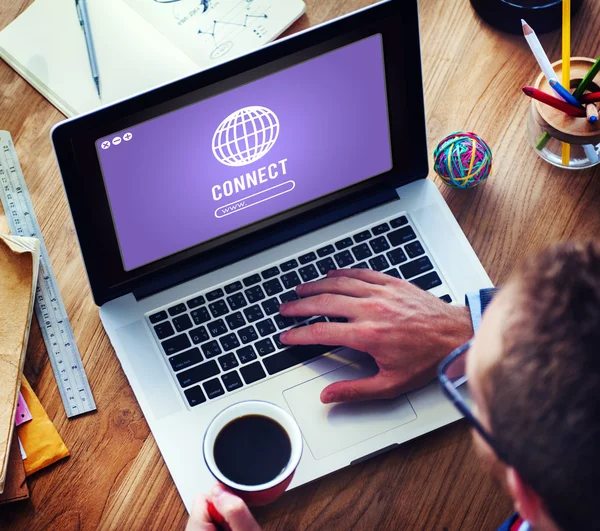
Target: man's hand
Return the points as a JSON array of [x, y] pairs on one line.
[[233, 510], [407, 331]]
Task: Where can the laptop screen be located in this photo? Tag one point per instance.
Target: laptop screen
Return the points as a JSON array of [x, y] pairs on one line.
[[226, 162]]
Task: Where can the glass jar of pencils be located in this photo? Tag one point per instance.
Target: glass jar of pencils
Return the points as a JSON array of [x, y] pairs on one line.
[[559, 138]]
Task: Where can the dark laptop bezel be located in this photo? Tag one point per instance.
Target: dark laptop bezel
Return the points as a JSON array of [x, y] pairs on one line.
[[395, 20]]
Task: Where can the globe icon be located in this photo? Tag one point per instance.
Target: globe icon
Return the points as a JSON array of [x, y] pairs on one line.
[[245, 136]]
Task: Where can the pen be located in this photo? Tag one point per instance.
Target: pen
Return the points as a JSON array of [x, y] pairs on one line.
[[84, 21]]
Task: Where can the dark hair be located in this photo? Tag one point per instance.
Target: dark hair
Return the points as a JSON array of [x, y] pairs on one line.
[[544, 392]]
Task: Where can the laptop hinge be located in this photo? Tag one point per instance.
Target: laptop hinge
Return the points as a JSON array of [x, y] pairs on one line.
[[262, 240]]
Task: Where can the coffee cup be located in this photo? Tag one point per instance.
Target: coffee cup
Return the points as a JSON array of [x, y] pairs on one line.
[[253, 448]]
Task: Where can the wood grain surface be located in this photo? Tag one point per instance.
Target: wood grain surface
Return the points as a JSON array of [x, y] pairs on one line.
[[116, 479]]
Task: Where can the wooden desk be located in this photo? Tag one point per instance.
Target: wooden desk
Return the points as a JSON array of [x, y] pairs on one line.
[[116, 478]]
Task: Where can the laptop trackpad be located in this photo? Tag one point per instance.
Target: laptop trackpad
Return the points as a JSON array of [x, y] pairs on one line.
[[329, 428]]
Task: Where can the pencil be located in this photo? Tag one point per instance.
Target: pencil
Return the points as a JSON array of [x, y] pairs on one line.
[[564, 93], [566, 69], [592, 97], [589, 77], [546, 98], [591, 112], [538, 51]]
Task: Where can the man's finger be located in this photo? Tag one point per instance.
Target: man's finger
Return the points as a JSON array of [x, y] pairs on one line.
[[340, 285], [199, 518], [233, 509], [324, 304], [331, 334], [374, 387], [366, 275]]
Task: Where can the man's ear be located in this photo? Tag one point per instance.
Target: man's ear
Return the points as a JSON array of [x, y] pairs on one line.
[[527, 502]]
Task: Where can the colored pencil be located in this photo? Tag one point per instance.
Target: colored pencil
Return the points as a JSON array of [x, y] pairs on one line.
[[591, 112], [546, 98], [591, 154], [566, 70], [589, 77], [564, 93], [592, 97], [538, 51]]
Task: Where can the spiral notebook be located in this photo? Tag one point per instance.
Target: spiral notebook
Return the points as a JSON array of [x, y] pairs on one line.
[[140, 44]]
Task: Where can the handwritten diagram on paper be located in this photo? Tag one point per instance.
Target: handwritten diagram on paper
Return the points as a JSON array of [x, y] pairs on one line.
[[212, 31]]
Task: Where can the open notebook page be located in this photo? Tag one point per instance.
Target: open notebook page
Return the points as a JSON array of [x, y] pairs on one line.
[[46, 45]]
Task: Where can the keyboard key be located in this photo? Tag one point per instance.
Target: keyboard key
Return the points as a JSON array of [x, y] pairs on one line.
[[393, 273], [398, 222], [361, 265], [362, 236], [194, 396], [218, 308], [344, 259], [306, 258], [271, 306], [379, 263], [416, 267], [228, 361], [337, 319], [414, 249], [379, 245], [264, 347], [428, 281], [216, 328], [291, 279], [308, 273], [176, 344], [229, 342], [235, 320], [200, 316], [182, 323], [248, 334], [255, 294], [163, 330], [198, 373], [246, 354], [233, 287], [277, 340], [214, 294], [236, 301], [211, 349], [157, 317], [213, 388], [251, 280], [362, 251], [397, 256], [177, 309], [446, 298], [325, 251], [270, 273], [254, 313], [289, 265], [253, 372], [344, 244], [195, 302], [186, 359], [283, 322], [400, 236], [293, 356], [265, 327], [289, 296], [321, 319], [199, 335], [326, 265], [272, 287], [380, 229], [232, 381]]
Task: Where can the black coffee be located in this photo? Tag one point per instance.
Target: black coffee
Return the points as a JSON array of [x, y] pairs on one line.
[[252, 450]]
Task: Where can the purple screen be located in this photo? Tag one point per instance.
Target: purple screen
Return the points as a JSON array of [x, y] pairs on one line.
[[231, 160]]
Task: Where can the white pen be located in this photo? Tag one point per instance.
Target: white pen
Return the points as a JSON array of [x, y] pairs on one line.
[[84, 20]]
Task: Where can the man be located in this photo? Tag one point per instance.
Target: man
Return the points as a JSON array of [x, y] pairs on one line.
[[533, 372]]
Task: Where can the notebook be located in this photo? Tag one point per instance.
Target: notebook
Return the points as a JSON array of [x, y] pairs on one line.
[[139, 44]]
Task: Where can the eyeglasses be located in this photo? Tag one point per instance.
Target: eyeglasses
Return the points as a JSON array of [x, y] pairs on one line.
[[453, 379]]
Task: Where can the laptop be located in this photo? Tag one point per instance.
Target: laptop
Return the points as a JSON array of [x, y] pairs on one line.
[[201, 205]]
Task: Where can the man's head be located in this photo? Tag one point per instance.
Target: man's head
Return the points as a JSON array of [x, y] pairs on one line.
[[534, 371]]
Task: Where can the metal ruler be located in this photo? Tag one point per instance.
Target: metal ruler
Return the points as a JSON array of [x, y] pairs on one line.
[[51, 314]]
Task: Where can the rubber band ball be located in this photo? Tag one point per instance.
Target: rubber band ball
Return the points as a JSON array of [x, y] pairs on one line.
[[463, 160]]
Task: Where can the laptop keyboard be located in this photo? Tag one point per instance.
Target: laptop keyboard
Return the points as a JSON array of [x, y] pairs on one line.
[[226, 338]]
